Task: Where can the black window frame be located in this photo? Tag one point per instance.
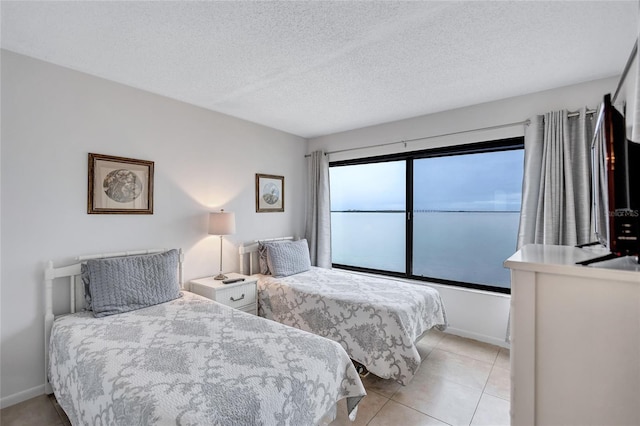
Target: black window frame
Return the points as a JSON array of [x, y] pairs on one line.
[[507, 144]]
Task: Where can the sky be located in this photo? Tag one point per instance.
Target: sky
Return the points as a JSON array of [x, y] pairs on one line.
[[472, 182]]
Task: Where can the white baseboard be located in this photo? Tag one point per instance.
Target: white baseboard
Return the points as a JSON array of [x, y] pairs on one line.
[[16, 398], [480, 337]]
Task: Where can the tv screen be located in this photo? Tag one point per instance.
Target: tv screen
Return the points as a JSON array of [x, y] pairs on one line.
[[615, 216]]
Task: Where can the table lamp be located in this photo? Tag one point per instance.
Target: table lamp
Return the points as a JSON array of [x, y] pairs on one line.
[[221, 223]]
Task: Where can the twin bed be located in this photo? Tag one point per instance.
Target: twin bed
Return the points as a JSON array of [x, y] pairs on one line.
[[377, 321], [149, 352], [184, 361]]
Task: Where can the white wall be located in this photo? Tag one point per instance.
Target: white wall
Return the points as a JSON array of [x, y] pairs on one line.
[[475, 314], [51, 118]]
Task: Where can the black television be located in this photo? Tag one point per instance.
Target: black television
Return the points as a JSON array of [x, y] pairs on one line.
[[615, 184]]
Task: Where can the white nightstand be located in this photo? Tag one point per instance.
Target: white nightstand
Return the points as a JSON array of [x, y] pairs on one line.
[[240, 295]]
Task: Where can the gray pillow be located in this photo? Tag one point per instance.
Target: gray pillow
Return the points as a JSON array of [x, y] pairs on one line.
[[288, 258], [262, 255], [123, 284], [84, 275], [262, 259]]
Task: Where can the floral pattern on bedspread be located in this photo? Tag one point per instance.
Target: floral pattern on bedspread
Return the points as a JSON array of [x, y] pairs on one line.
[[377, 321], [192, 361]]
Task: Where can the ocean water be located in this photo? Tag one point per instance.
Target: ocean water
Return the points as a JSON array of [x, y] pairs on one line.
[[459, 246]]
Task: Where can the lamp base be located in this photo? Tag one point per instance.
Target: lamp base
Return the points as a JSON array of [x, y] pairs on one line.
[[220, 276]]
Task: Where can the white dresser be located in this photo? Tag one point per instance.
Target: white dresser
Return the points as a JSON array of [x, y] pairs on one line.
[[575, 338]]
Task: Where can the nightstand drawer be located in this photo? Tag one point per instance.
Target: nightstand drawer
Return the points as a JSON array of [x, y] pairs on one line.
[[237, 296]]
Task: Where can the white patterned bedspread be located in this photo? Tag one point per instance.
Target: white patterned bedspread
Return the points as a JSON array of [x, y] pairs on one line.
[[192, 361], [376, 320]]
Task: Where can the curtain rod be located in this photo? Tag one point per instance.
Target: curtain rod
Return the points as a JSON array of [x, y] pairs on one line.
[[575, 114], [499, 126], [623, 77], [405, 141]]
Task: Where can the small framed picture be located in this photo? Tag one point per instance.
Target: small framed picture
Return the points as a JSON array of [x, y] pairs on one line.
[[119, 185], [269, 193]]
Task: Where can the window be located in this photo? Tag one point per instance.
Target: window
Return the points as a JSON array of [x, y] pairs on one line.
[[368, 210], [464, 205]]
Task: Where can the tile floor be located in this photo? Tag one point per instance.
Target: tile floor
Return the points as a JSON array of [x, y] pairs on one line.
[[460, 382]]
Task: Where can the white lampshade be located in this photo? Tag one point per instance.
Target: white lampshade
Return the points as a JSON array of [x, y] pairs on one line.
[[222, 223]]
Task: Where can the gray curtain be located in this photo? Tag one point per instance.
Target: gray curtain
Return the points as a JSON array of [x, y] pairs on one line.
[[318, 223], [556, 191]]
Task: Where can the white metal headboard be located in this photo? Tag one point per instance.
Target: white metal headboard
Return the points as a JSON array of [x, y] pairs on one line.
[[250, 250], [72, 272]]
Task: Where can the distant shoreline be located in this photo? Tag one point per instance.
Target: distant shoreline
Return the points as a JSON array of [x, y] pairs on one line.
[[426, 211]]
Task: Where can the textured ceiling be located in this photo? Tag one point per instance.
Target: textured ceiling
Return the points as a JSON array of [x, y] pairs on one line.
[[315, 68]]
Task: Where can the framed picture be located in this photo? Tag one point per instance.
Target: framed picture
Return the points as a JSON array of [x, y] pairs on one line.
[[269, 193], [119, 185]]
